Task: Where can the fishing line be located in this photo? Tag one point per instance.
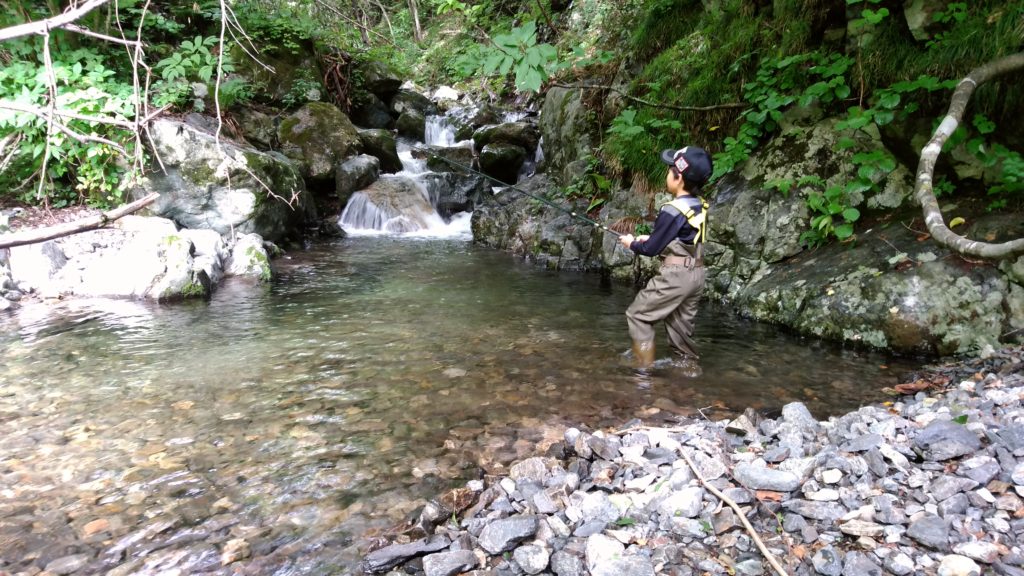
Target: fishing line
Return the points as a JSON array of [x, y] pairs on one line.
[[572, 213]]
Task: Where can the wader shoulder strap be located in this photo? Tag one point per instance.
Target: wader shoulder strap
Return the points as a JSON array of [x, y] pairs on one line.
[[698, 221]]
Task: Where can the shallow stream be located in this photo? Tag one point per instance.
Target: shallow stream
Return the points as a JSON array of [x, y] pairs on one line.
[[310, 416]]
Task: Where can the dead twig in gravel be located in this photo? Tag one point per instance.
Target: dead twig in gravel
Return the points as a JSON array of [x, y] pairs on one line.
[[743, 517]]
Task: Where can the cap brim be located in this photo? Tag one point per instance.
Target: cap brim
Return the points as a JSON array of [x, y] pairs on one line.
[[668, 156]]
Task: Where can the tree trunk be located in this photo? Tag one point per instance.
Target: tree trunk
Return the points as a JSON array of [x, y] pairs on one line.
[[923, 190], [414, 10]]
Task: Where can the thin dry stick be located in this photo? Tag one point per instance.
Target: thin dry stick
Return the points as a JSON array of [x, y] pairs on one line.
[[743, 517], [135, 56], [111, 39], [727, 105], [357, 24], [51, 84]]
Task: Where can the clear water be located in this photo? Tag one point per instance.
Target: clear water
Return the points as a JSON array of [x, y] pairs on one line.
[[309, 416]]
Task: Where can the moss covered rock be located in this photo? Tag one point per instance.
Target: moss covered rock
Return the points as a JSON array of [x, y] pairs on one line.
[[229, 189], [565, 125], [317, 137]]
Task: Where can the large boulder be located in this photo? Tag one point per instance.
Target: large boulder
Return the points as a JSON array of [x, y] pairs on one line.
[[502, 161], [469, 121], [369, 112], [355, 174], [382, 145], [137, 258], [886, 289], [446, 158], [378, 79], [226, 188], [452, 192], [258, 128], [515, 222], [522, 134], [412, 124], [318, 136], [393, 204], [565, 126], [406, 100]]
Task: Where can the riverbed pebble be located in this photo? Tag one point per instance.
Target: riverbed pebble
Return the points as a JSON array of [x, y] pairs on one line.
[[925, 484]]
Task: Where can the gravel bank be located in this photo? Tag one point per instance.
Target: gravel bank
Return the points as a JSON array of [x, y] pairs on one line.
[[931, 483]]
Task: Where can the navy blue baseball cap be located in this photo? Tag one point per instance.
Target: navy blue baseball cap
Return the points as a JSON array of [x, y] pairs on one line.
[[693, 162]]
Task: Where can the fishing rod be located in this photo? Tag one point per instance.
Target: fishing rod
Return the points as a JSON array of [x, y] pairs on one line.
[[572, 213]]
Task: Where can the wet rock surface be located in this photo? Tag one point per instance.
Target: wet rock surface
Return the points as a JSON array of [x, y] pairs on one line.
[[926, 484]]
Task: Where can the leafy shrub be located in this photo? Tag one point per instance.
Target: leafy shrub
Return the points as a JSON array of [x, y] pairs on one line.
[[75, 170]]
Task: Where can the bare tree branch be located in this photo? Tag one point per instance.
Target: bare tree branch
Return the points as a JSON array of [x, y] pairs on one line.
[[727, 105], [34, 236], [346, 18], [61, 113], [923, 188], [44, 26], [87, 32]]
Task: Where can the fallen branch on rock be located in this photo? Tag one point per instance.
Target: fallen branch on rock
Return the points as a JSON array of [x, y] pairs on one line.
[[24, 237]]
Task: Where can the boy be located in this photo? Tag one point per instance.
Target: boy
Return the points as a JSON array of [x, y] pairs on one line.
[[679, 233]]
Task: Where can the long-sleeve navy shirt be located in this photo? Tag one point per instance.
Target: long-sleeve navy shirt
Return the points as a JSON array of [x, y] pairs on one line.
[[669, 225]]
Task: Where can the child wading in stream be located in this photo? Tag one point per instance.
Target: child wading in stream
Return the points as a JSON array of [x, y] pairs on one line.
[[678, 235]]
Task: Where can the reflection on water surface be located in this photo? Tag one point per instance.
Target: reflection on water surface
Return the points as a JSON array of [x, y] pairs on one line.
[[310, 415]]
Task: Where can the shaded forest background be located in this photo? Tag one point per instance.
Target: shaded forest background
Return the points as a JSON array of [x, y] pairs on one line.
[[723, 73]]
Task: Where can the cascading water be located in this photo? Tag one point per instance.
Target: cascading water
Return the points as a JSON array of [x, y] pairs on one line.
[[406, 203]]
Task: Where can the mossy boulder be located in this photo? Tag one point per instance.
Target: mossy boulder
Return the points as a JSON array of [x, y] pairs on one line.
[[378, 79], [258, 128], [317, 137], [412, 124], [287, 75], [515, 222], [382, 145], [238, 191], [522, 134], [566, 126], [406, 100], [437, 158], [502, 161]]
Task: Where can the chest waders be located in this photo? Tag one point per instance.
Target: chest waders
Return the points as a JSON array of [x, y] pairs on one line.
[[673, 294]]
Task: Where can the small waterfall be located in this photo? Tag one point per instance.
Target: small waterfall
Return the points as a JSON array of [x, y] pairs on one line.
[[406, 203], [530, 165], [395, 204], [439, 131]]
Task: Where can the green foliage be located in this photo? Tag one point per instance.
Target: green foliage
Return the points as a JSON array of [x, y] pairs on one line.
[[519, 51], [589, 185], [662, 23], [279, 28], [779, 83], [863, 27], [304, 89], [635, 138], [194, 62], [1007, 164], [86, 85]]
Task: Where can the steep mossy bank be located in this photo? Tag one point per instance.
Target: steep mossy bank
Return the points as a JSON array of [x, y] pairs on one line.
[[817, 114]]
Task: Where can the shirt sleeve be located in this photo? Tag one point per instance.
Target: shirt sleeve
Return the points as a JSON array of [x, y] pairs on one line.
[[666, 228]]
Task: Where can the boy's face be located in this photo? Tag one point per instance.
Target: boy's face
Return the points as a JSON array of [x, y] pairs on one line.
[[673, 181]]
